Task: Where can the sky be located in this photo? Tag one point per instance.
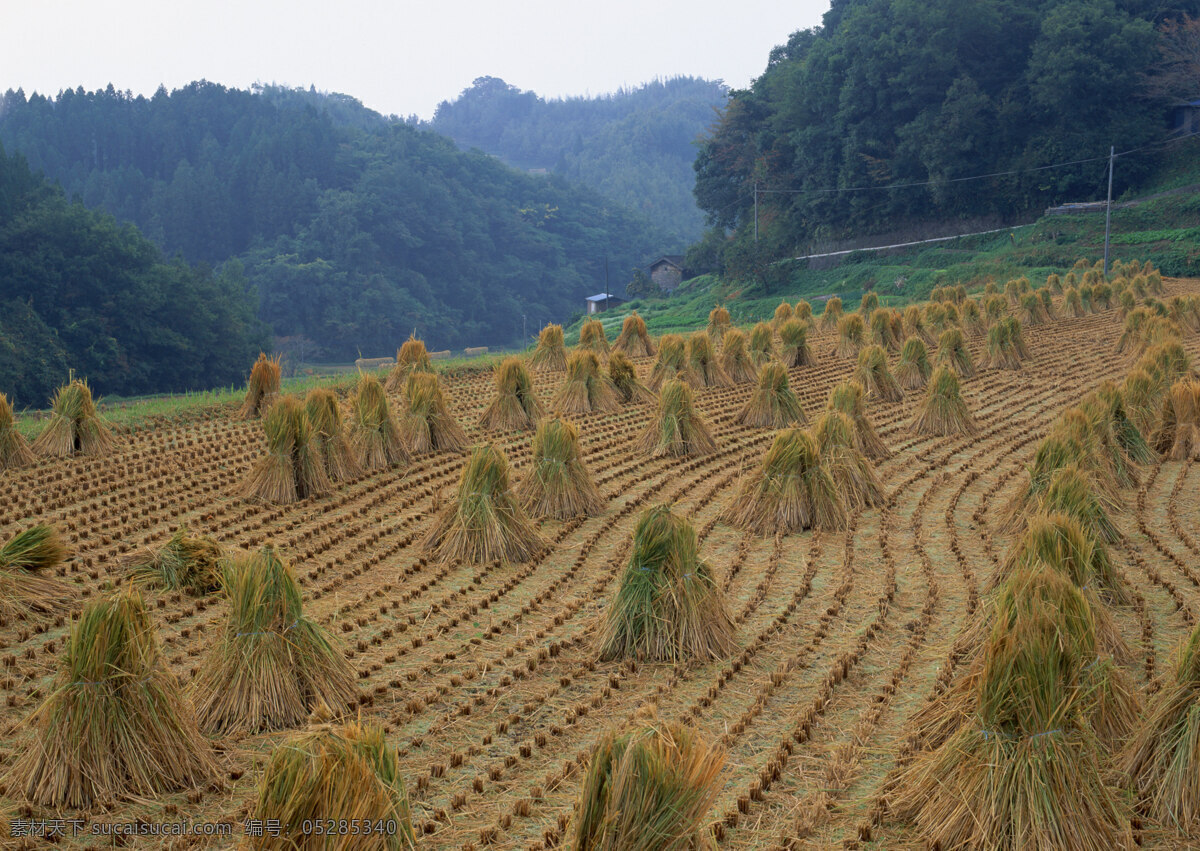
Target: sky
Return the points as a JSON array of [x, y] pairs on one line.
[[400, 57]]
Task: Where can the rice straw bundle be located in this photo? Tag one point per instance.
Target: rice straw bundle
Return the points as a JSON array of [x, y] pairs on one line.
[[953, 352], [669, 606], [27, 587], [952, 319], [1102, 295], [485, 521], [1177, 436], [773, 404], [794, 348], [550, 355], [783, 313], [676, 429], [329, 435], [1119, 437], [339, 776], [671, 363], [831, 314], [1154, 281], [293, 468], [913, 370], [592, 338], [1001, 352], [735, 358], [586, 389], [1142, 393], [1085, 296], [375, 435], [959, 294], [914, 324], [1130, 340], [114, 724], [1062, 542], [994, 308], [875, 377], [14, 450], [1161, 759], [973, 319], [935, 317], [944, 412], [1069, 491], [1023, 771], [1032, 312], [718, 323], [74, 428], [1012, 291], [263, 387], [1073, 303], [427, 424], [1054, 283], [515, 407], [186, 562], [634, 340], [762, 344], [803, 311], [848, 398], [851, 333], [881, 330], [623, 375], [271, 666], [868, 305], [704, 370], [853, 475], [790, 491], [411, 357], [647, 789], [558, 484]]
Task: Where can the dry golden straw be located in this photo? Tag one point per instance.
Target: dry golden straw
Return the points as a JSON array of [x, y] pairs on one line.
[[793, 344], [634, 340], [515, 406], [875, 377], [736, 361], [851, 333], [592, 338], [791, 490], [551, 352], [28, 587], [329, 435], [773, 404], [671, 363], [558, 485], [586, 389], [374, 433], [186, 562], [944, 412], [623, 375], [14, 450], [718, 323], [74, 428], [427, 424], [293, 468], [762, 344], [913, 369], [704, 370], [676, 429], [853, 474], [411, 357], [848, 398], [265, 379]]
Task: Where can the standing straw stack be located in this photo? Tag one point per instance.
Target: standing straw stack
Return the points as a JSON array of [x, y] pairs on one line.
[[551, 352], [374, 433], [339, 775], [671, 363], [411, 357], [719, 322], [914, 324], [186, 562], [26, 584], [790, 491], [329, 435], [271, 666], [515, 407], [485, 522], [114, 724], [648, 788], [853, 475], [913, 369], [851, 332], [794, 348], [832, 314], [882, 331], [669, 606], [427, 424], [803, 312], [762, 343], [14, 450], [944, 411], [676, 429], [704, 370], [74, 428], [783, 313], [953, 352], [558, 485], [773, 404], [263, 387], [875, 377], [735, 358], [592, 338], [587, 389], [292, 469], [634, 340], [848, 398], [1001, 350], [1177, 436], [624, 378]]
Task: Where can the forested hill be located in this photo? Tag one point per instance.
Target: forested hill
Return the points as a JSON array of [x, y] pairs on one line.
[[891, 92], [635, 146], [80, 292], [351, 230]]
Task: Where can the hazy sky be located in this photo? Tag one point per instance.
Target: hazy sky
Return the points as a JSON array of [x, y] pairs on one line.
[[396, 57]]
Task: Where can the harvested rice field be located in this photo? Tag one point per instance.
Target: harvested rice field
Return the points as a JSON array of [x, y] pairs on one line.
[[487, 678]]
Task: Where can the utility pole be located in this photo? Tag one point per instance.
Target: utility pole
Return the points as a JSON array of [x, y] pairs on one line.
[[756, 211], [524, 335], [1108, 207], [606, 295]]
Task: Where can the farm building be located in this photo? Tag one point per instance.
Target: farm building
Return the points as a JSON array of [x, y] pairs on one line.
[[601, 302], [667, 272], [1186, 118]]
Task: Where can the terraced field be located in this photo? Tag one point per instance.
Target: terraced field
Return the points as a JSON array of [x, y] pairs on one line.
[[486, 677]]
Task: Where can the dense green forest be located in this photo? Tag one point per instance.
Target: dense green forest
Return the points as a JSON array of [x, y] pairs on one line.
[[79, 291], [351, 229], [635, 146], [891, 92]]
